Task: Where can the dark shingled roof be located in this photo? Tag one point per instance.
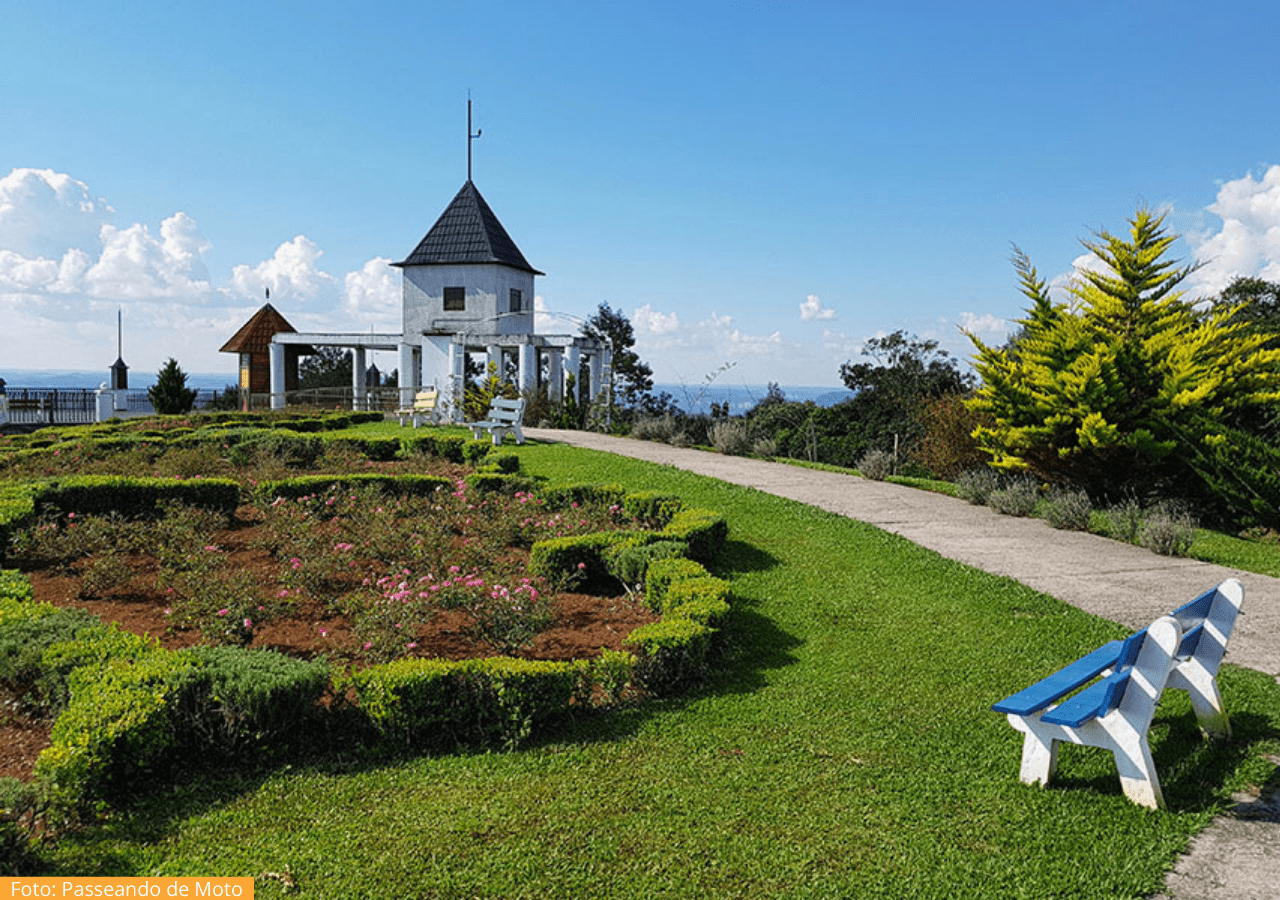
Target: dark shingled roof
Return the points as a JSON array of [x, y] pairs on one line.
[[468, 232]]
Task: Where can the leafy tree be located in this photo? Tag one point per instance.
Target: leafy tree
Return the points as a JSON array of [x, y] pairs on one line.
[[1128, 388], [906, 372], [170, 394], [632, 378], [327, 367]]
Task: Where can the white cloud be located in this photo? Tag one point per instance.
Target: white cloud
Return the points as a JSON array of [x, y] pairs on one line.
[[292, 273], [372, 295], [647, 320], [43, 213], [136, 265], [987, 327], [812, 309], [1248, 243]]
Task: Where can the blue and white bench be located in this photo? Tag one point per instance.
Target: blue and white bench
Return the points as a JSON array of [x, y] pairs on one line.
[[1183, 651], [503, 416]]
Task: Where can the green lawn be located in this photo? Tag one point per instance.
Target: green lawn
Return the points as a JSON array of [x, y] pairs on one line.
[[843, 747]]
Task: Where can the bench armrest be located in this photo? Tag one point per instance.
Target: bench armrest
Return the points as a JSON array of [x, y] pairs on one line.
[[1060, 683]]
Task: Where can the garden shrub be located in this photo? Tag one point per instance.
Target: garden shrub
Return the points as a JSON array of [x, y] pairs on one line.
[[705, 600], [20, 807], [876, 465], [1017, 498], [506, 463], [475, 450], [1169, 530], [669, 653], [663, 573], [1125, 521], [521, 695], [565, 496], [135, 497], [297, 451], [414, 702], [664, 428], [703, 530], [27, 630], [307, 485], [581, 558], [1068, 510], [945, 446], [652, 509], [732, 437], [498, 482], [612, 672], [977, 485], [630, 563], [378, 449], [251, 698], [117, 731]]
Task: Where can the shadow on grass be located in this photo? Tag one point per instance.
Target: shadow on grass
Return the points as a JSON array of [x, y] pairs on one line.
[[1193, 770]]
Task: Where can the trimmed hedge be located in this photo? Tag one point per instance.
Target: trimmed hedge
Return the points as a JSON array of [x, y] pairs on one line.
[[131, 497], [306, 485], [582, 494], [704, 530], [433, 703], [379, 449], [663, 574]]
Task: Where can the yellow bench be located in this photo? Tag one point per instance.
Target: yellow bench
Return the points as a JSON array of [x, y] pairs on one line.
[[423, 409]]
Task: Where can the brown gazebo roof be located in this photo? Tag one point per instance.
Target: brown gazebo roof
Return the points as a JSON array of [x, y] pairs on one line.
[[254, 336]]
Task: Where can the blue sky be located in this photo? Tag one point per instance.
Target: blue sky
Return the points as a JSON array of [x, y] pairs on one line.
[[761, 185]]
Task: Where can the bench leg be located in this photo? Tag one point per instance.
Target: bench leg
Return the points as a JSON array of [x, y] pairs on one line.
[[1206, 699], [498, 434], [1138, 777], [1039, 759]]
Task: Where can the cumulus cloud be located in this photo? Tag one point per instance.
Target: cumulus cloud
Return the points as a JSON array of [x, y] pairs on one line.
[[647, 320], [812, 309], [44, 213], [293, 274], [372, 294], [134, 264], [987, 327], [1248, 244]]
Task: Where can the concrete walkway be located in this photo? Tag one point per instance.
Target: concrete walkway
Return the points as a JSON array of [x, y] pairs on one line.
[[1237, 857]]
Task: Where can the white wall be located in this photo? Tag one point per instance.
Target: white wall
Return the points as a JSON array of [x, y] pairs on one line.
[[487, 301]]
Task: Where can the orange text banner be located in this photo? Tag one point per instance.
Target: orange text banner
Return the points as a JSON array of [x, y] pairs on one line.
[[28, 888]]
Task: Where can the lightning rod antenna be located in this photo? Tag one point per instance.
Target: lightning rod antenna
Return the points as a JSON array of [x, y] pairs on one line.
[[470, 136]]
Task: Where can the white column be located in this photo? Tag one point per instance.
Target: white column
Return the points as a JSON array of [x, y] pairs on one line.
[[528, 368], [555, 374], [359, 379], [277, 375], [572, 363], [457, 380], [408, 376]]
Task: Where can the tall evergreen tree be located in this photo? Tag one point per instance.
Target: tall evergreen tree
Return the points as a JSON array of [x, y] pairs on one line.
[[170, 394], [1128, 387]]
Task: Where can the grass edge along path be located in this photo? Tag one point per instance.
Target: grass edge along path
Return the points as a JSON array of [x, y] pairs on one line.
[[843, 746]]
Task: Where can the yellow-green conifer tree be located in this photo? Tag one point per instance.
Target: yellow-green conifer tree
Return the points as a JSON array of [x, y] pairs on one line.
[[1127, 387]]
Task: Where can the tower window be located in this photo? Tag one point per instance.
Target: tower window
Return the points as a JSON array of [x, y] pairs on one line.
[[515, 300], [455, 299]]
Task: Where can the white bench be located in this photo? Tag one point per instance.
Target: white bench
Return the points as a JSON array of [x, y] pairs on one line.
[[503, 416], [423, 409], [1182, 651]]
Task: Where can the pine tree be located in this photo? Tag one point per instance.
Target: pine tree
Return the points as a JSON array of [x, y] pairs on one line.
[[1126, 388], [170, 394]]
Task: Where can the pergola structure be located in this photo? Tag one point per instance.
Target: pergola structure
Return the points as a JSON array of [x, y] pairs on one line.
[[466, 288]]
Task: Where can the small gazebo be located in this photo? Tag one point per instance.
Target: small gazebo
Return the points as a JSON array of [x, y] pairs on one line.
[[253, 344]]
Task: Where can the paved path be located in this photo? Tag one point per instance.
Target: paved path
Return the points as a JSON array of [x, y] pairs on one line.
[[1237, 858]]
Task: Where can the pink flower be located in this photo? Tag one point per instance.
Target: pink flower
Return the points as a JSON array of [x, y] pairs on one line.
[[248, 624], [223, 612]]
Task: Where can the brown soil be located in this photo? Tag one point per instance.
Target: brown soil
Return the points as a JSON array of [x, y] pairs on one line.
[[582, 625]]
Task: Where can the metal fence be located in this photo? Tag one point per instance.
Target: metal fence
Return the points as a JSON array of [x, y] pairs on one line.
[[79, 406]]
